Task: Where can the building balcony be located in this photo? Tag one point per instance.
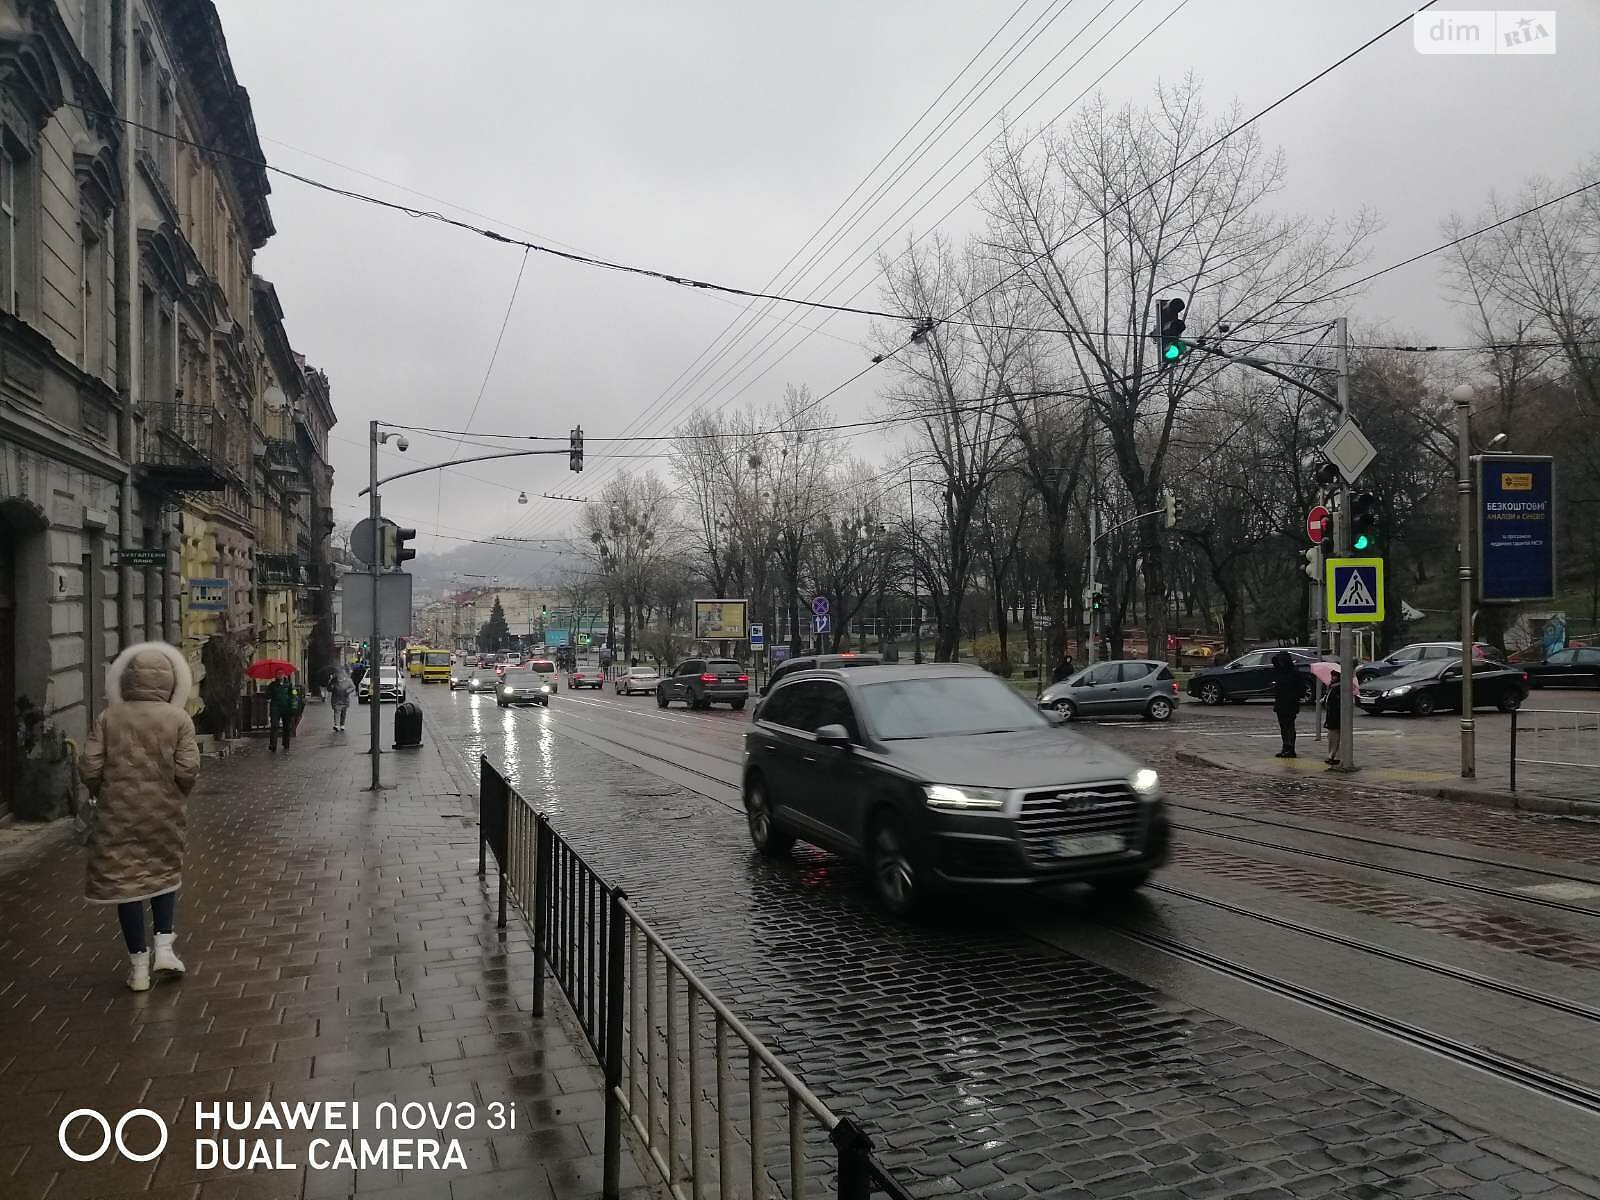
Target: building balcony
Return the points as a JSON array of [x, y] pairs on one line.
[[282, 457], [186, 448], [278, 570]]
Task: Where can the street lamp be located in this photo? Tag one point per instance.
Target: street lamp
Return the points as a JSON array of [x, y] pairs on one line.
[[1462, 397]]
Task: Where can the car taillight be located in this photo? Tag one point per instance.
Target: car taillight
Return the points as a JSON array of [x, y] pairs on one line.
[[708, 677], [1174, 687], [746, 678], [1524, 677]]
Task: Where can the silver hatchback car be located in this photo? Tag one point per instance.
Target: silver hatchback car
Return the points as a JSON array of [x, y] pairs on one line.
[[1130, 687]]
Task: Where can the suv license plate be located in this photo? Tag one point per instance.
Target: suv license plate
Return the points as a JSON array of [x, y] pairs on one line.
[[1080, 847]]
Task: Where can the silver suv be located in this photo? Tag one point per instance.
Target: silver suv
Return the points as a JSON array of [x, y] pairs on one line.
[[1129, 687]]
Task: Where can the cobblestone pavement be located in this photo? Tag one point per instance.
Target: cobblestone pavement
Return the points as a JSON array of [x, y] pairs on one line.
[[338, 948], [989, 1064]]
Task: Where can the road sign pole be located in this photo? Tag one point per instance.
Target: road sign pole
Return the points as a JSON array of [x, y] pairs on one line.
[[1347, 652], [1463, 403]]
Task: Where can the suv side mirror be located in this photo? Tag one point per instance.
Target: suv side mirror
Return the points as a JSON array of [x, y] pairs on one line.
[[834, 735]]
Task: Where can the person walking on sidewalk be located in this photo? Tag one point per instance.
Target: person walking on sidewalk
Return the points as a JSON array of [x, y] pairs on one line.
[[1287, 688], [1064, 669], [284, 702], [140, 762], [1332, 721], [340, 687]]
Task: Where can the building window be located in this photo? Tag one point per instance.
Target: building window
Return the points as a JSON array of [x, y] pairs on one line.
[[16, 227], [8, 230], [91, 300]]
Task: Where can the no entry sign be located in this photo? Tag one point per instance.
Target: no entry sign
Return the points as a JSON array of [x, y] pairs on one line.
[[1317, 524]]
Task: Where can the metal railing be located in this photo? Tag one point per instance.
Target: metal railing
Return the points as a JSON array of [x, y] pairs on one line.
[[1555, 737], [714, 1109]]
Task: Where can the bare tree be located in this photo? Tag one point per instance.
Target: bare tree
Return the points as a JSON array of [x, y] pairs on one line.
[[1126, 206], [626, 531]]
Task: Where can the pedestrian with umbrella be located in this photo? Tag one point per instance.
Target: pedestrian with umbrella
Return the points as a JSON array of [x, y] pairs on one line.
[[284, 699], [140, 762]]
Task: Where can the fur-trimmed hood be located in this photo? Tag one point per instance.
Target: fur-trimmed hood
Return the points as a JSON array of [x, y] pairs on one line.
[[150, 671]]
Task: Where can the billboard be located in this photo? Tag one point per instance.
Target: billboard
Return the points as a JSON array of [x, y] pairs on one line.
[[1516, 528], [717, 620], [394, 604]]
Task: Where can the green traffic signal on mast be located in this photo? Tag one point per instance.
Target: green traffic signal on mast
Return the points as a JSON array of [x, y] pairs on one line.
[[1363, 521], [1169, 330]]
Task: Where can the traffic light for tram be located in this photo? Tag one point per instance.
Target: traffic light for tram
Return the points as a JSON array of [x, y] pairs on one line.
[[394, 550], [1363, 521], [1169, 330], [1313, 563], [575, 454]]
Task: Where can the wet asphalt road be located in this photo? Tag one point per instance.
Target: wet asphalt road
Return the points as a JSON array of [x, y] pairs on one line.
[[1048, 1045]]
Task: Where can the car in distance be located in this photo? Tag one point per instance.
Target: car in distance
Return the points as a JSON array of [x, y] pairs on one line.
[[483, 679], [1133, 686], [1432, 684], [592, 678], [1414, 653], [1249, 677], [391, 686], [460, 676], [702, 682], [636, 679], [943, 776], [1574, 667], [521, 686], [808, 662]]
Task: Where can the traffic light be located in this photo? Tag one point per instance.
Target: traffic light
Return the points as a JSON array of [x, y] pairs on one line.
[[575, 454], [1313, 564], [1097, 601], [394, 550], [1169, 327], [1363, 521]]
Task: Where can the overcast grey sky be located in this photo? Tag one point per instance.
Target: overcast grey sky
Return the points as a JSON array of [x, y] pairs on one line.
[[711, 139]]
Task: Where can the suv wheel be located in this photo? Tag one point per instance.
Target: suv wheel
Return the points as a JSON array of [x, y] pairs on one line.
[[1160, 709], [894, 877], [736, 705], [661, 698], [1209, 693], [769, 841], [1510, 702], [1422, 705]]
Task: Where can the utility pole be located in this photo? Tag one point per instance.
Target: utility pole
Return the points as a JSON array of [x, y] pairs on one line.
[[374, 568], [1347, 648], [1463, 404], [916, 606]]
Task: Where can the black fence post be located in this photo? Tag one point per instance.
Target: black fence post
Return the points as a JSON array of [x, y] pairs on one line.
[[855, 1160], [615, 998], [483, 833], [541, 904], [1514, 713]]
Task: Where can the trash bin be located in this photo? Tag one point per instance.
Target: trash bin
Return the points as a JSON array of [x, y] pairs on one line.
[[407, 726]]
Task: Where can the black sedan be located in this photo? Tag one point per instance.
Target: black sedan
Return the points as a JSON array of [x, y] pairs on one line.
[[1574, 667], [1430, 685], [939, 776], [1249, 677]]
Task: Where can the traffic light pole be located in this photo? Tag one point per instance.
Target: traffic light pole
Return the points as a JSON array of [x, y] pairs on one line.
[[374, 569], [1347, 649], [1463, 404]]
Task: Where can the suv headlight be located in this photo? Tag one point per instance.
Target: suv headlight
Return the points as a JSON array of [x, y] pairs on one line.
[[1144, 781], [1399, 691], [507, 690], [948, 795], [546, 686]]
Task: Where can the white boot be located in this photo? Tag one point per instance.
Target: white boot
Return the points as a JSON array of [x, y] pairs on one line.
[[166, 959], [139, 971]]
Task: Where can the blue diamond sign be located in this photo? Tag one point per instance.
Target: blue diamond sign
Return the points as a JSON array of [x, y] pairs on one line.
[[1355, 590]]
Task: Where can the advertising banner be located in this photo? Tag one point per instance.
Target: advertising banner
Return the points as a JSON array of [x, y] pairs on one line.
[[1516, 528], [717, 620]]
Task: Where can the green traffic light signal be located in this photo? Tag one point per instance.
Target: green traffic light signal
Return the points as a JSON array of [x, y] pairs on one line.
[[1173, 352], [1362, 541], [1169, 329]]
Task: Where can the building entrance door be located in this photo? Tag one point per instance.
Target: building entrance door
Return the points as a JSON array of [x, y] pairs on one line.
[[8, 669]]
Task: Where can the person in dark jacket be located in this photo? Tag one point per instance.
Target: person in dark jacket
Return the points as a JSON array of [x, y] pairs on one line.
[[284, 702], [1332, 721], [1063, 671], [1287, 688]]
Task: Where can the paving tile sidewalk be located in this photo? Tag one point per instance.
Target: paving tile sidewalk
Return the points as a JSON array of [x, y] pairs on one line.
[[340, 947]]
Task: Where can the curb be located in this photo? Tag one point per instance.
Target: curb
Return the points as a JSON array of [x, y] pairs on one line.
[[1518, 801]]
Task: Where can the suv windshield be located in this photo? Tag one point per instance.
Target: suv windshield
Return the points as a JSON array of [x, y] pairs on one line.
[[544, 668], [716, 666], [946, 706], [520, 678]]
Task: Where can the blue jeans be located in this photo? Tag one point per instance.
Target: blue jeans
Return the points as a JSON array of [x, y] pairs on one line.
[[163, 911]]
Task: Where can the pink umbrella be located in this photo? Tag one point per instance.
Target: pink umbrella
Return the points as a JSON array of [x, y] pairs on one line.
[[1324, 671]]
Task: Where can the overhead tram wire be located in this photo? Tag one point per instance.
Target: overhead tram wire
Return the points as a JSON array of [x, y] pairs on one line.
[[831, 279], [867, 283], [673, 392]]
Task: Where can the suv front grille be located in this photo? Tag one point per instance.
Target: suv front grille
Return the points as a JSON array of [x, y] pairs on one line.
[[1079, 812]]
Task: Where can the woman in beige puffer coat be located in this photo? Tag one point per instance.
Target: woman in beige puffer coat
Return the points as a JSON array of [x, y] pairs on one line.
[[141, 761]]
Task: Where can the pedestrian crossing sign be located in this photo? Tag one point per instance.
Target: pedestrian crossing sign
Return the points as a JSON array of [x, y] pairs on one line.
[[1355, 590]]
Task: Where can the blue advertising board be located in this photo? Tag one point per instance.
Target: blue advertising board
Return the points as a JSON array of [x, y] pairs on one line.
[[1516, 528], [557, 637]]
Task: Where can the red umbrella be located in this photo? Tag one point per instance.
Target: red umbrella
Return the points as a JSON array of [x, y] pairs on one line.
[[269, 668]]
